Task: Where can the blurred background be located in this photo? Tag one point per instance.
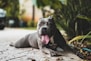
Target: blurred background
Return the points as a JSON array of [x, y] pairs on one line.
[[21, 13], [72, 16]]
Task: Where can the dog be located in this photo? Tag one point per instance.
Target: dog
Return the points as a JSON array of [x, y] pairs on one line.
[[47, 35]]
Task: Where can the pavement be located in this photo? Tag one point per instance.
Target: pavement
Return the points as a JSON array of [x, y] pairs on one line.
[[8, 53]]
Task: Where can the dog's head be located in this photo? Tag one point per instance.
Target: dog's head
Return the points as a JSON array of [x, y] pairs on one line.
[[46, 27]]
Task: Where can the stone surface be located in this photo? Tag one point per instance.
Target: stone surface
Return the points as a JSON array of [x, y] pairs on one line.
[[8, 53]]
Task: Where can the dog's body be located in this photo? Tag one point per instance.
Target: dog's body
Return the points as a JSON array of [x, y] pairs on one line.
[[47, 35]]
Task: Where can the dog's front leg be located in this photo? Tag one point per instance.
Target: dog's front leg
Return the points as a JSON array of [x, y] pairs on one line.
[[46, 50], [40, 45], [42, 48]]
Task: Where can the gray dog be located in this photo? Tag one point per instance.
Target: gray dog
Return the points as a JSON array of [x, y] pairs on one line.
[[47, 35]]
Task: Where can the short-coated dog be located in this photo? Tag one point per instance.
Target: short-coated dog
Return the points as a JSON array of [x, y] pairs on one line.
[[47, 35]]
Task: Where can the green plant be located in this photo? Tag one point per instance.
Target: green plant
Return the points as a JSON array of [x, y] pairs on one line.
[[74, 17], [80, 38], [82, 46], [11, 6]]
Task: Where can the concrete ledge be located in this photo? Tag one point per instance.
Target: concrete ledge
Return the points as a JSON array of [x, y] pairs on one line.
[[8, 53]]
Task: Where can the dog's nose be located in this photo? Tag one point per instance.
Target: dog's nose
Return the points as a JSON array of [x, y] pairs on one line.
[[44, 30]]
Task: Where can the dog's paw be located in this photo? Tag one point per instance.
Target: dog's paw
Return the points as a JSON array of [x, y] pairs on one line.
[[54, 53], [59, 49], [45, 51]]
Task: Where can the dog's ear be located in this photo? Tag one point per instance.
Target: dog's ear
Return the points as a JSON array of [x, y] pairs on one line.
[[50, 17]]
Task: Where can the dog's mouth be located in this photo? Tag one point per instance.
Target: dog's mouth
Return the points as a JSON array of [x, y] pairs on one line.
[[45, 39]]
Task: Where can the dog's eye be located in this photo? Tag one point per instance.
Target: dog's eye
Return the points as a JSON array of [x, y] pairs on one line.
[[42, 23], [49, 23]]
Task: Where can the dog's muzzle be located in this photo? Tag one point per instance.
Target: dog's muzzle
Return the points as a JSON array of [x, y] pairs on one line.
[[44, 31], [44, 36]]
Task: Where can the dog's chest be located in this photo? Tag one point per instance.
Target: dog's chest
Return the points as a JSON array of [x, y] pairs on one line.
[[52, 42]]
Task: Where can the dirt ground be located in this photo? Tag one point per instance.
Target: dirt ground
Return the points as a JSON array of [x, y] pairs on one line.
[[8, 53]]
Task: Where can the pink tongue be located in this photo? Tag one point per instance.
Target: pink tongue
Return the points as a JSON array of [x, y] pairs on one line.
[[45, 39]]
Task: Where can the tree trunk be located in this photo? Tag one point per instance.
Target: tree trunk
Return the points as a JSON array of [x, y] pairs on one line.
[[33, 16]]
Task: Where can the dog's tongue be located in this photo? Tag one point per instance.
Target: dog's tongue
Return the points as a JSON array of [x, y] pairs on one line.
[[45, 39]]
